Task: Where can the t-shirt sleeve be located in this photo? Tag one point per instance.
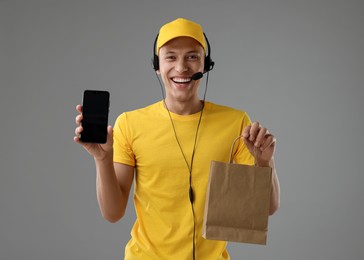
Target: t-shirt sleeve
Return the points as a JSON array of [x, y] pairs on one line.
[[242, 154], [123, 152]]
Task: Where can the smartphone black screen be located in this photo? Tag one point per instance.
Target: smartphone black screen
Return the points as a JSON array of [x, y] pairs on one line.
[[95, 111]]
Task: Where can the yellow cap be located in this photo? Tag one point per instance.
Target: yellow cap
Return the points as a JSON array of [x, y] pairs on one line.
[[180, 27]]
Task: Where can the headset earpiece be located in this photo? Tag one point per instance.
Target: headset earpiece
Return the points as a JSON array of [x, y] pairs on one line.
[[209, 64], [155, 62], [155, 59]]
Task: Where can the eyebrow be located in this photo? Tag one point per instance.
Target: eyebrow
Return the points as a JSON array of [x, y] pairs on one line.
[[189, 52]]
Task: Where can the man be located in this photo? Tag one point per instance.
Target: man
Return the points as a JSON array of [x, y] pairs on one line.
[[169, 145]]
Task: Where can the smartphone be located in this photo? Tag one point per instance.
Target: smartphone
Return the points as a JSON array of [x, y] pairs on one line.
[[95, 112]]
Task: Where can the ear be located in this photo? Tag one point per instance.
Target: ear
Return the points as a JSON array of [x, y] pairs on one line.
[[158, 72]]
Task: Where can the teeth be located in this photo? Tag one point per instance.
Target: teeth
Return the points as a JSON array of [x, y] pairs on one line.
[[181, 80]]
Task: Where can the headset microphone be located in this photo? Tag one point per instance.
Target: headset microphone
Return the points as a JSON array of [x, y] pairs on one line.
[[197, 75]]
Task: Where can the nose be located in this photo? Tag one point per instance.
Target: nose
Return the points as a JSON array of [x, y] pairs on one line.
[[181, 66]]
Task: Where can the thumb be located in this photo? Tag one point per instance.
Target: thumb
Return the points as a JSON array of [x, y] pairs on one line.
[[110, 134]]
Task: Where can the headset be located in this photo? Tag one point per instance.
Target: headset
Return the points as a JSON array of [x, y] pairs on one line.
[[208, 65]]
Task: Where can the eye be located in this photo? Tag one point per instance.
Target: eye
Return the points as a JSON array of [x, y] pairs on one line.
[[193, 57], [170, 58]]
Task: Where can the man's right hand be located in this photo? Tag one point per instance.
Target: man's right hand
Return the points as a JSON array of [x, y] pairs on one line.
[[98, 151]]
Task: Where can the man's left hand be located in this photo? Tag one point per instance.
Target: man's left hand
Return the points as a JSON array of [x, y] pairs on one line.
[[260, 143]]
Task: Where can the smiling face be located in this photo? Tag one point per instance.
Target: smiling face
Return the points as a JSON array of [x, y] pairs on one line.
[[179, 59]]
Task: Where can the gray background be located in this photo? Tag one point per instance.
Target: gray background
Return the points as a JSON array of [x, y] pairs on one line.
[[295, 66]]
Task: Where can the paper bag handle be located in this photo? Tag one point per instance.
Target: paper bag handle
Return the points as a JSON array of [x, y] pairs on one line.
[[232, 149]]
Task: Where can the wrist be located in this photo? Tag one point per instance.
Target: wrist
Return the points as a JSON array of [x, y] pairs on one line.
[[262, 163], [105, 158]]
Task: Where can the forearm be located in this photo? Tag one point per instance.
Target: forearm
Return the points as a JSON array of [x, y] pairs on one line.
[[112, 202]]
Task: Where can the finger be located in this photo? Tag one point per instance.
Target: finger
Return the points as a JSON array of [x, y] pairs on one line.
[[246, 132], [269, 141], [109, 129], [79, 108], [253, 131], [77, 139], [79, 119], [110, 136], [78, 130], [248, 143], [260, 137]]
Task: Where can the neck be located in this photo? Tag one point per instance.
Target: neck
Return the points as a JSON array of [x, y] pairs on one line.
[[184, 108]]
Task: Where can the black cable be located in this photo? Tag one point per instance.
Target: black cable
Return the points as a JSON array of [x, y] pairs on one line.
[[191, 195]]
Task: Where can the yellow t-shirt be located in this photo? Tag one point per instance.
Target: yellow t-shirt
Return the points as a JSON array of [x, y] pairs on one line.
[[145, 139]]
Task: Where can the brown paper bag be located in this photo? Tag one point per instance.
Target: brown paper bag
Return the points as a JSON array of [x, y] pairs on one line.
[[237, 202]]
